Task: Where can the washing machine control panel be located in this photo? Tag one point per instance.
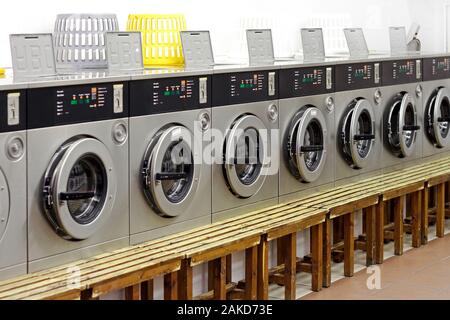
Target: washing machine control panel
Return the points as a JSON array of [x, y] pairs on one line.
[[12, 110], [169, 95], [244, 87], [357, 76], [306, 81], [436, 68], [74, 104], [402, 71]]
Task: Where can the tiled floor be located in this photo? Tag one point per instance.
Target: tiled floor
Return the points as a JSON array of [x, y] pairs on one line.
[[422, 273]]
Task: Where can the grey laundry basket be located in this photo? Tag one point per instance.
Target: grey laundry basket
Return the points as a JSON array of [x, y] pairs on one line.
[[79, 40]]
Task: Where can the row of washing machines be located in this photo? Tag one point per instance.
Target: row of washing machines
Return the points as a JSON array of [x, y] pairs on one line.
[[91, 163]]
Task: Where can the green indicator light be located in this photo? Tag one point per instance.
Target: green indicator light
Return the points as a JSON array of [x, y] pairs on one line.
[[242, 86], [167, 93], [73, 102], [88, 100]]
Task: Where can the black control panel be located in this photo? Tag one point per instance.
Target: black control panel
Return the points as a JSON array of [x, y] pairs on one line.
[[169, 95], [401, 71], [244, 87], [75, 104], [357, 76], [436, 68], [13, 110], [306, 81]]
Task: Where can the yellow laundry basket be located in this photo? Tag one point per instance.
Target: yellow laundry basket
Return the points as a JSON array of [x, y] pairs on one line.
[[161, 42]]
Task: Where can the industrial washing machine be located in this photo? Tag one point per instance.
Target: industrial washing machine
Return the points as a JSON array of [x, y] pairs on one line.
[[307, 130], [402, 112], [77, 169], [13, 175], [170, 174], [357, 119], [436, 108], [245, 148]]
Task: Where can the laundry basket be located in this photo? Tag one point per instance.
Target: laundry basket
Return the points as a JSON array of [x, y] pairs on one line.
[[161, 43], [79, 40]]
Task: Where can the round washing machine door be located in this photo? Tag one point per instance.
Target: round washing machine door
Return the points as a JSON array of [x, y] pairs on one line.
[[358, 133], [245, 155], [402, 125], [4, 204], [306, 144], [79, 188], [169, 176], [438, 118]]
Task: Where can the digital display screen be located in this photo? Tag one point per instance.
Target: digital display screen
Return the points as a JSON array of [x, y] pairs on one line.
[[401, 71], [169, 92], [81, 100], [306, 81], [357, 76], [436, 68], [244, 87]]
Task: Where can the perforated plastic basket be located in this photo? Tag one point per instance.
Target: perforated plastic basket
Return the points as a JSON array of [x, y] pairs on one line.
[[161, 42], [80, 40]]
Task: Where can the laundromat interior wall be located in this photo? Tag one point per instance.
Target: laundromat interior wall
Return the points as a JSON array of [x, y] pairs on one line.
[[227, 21]]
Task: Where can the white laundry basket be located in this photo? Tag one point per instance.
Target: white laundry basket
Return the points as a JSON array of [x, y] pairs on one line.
[[79, 40]]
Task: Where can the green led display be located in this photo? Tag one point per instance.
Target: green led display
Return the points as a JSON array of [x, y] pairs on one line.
[[74, 102]]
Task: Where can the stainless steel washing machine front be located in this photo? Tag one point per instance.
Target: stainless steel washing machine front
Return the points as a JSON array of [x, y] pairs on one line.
[[77, 171], [170, 168], [245, 134], [402, 113], [13, 183], [307, 130], [436, 105], [358, 120]]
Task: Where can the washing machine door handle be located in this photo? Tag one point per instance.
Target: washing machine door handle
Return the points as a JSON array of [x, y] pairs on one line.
[[363, 137], [411, 128], [68, 196], [443, 119], [170, 176], [315, 148]]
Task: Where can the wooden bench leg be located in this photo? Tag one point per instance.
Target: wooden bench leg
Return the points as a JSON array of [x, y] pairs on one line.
[[398, 225], [349, 244], [133, 292], [281, 250], [171, 286], [87, 295], [316, 257], [185, 290], [379, 231], [370, 234], [424, 216], [220, 273], [290, 263], [326, 250], [440, 211], [147, 290], [263, 269], [416, 199], [251, 264]]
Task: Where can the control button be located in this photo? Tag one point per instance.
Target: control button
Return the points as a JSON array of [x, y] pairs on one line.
[[271, 83], [203, 90], [329, 78], [377, 77], [15, 148], [13, 108], [118, 98]]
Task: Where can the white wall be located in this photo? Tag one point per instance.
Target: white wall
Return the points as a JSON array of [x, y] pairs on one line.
[[228, 19]]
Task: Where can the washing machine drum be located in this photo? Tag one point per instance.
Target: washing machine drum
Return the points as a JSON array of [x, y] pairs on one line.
[[169, 176], [306, 144], [402, 126], [245, 156], [79, 188], [357, 133], [437, 118]]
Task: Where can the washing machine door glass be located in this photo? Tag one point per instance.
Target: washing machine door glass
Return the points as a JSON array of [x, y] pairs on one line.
[[245, 147], [79, 188], [4, 204], [170, 177], [306, 144], [438, 118], [402, 125], [358, 133]]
